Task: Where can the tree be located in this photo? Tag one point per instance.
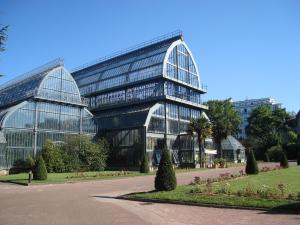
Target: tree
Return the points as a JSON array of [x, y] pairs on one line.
[[225, 120], [267, 127], [251, 166], [202, 127], [40, 171], [165, 179], [145, 164], [283, 161], [52, 156], [3, 37]]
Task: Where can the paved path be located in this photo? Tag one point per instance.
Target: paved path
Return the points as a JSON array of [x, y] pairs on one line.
[[93, 203]]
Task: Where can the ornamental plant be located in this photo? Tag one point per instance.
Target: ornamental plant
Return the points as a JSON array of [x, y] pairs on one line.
[[251, 166], [40, 171], [145, 165], [165, 179], [283, 161]]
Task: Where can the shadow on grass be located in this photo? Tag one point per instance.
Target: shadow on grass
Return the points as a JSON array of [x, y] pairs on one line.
[[23, 182]]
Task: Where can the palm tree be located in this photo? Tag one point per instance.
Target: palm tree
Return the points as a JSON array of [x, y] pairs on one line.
[[202, 127]]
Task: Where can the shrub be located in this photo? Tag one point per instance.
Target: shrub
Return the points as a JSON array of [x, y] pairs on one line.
[[30, 163], [222, 162], [52, 156], [145, 164], [40, 171], [283, 161], [165, 179], [251, 166], [275, 153], [298, 158], [81, 151]]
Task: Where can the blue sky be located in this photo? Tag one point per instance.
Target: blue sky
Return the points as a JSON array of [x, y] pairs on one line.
[[242, 48]]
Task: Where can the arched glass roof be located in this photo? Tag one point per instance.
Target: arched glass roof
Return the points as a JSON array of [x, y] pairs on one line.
[[169, 58], [52, 83]]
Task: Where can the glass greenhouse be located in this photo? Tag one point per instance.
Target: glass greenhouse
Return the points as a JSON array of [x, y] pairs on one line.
[[142, 95], [42, 104]]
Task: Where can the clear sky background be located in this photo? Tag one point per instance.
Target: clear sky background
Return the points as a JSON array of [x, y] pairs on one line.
[[244, 49]]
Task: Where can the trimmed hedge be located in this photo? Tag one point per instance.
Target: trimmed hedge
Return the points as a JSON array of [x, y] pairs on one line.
[[145, 165], [165, 179], [40, 171], [251, 166], [283, 161]]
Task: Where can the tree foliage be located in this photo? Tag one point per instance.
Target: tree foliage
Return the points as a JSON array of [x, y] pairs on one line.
[[268, 128], [53, 158], [203, 128], [225, 120], [76, 152], [165, 179]]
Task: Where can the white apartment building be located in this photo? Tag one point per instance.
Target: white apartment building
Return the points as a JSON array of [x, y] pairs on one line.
[[245, 108]]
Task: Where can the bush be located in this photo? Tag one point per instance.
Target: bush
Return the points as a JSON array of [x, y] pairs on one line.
[[222, 162], [165, 179], [40, 171], [251, 166], [298, 158], [275, 153], [145, 164], [30, 163], [283, 161], [52, 156]]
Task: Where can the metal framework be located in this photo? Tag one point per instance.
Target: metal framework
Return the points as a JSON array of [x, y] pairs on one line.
[[161, 77], [40, 105]]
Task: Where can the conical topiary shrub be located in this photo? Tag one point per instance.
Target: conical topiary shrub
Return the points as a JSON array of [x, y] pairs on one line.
[[284, 161], [40, 171], [145, 164], [251, 166], [165, 179], [267, 158]]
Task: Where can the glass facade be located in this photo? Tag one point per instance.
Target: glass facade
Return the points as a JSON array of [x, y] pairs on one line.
[[53, 112], [141, 96], [174, 123]]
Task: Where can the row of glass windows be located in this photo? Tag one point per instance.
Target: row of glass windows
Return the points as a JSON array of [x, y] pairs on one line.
[[142, 74], [137, 93], [50, 117], [182, 92]]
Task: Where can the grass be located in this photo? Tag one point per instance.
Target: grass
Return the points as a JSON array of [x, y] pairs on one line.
[[183, 194], [54, 178]]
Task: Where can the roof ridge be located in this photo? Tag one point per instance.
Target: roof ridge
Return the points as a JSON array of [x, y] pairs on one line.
[[38, 70], [176, 33]]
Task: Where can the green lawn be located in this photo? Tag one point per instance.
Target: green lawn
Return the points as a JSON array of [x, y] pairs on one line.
[[185, 194], [22, 178]]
